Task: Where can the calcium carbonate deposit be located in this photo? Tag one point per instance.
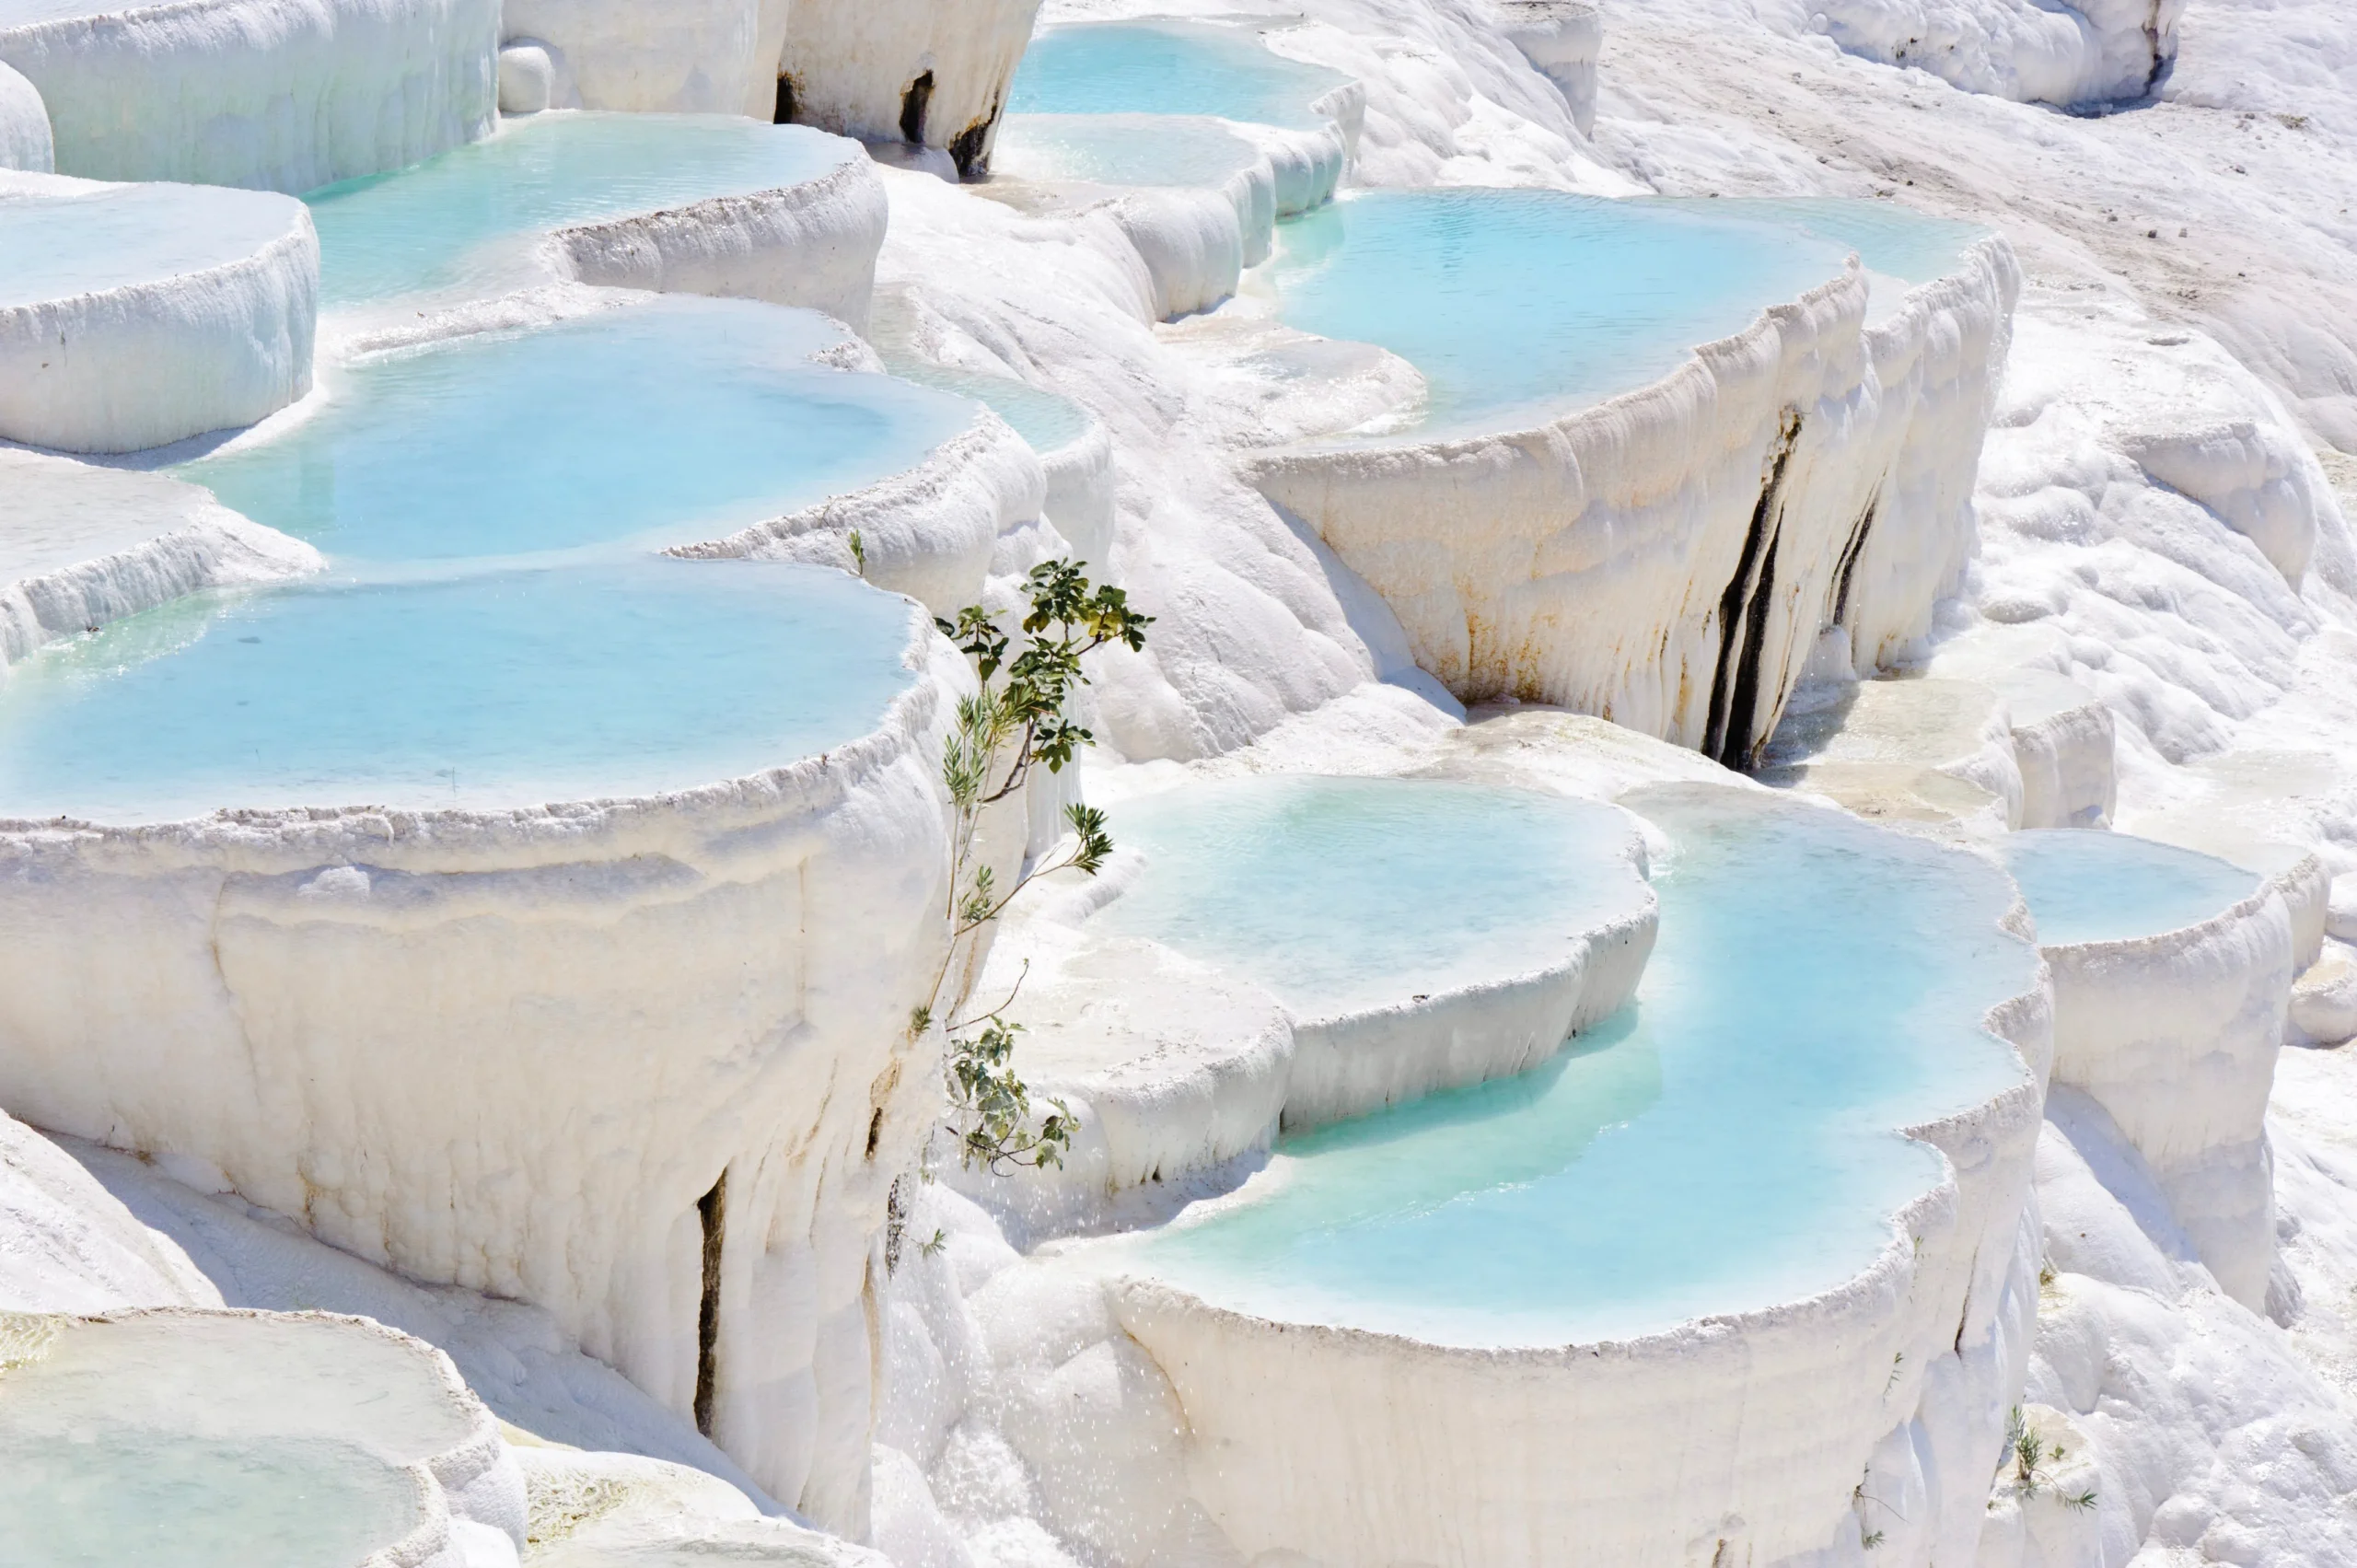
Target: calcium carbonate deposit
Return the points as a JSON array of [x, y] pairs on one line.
[[1178, 783]]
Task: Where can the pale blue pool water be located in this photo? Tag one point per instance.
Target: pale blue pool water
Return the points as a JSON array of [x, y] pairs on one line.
[[1533, 300], [1341, 894], [1120, 149], [110, 1496], [1166, 67], [55, 247], [1048, 420], [673, 419], [1724, 1144], [468, 218], [2084, 886], [1889, 239], [485, 690]]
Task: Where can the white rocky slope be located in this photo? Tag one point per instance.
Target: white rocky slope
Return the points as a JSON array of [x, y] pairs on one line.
[[2155, 526]]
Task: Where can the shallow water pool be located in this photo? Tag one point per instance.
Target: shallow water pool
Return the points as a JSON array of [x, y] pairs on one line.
[[1121, 149], [1533, 301], [1048, 422], [485, 690], [469, 218], [57, 246], [2084, 886], [1341, 894], [1894, 241], [206, 1441], [1725, 1144], [668, 419], [1166, 67]]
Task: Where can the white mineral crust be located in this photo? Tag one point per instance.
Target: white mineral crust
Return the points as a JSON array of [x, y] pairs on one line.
[[182, 349], [253, 990], [288, 94], [87, 545]]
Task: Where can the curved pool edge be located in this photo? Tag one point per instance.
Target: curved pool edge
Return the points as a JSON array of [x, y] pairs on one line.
[[2175, 1035], [1752, 1426], [161, 359], [812, 244], [929, 531], [357, 1015], [1524, 563], [195, 543]]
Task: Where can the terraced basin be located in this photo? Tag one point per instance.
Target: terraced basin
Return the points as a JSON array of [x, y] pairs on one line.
[[1167, 67], [2172, 980], [1680, 1283], [476, 218], [213, 1440], [1726, 1142], [1516, 303], [135, 314], [484, 691], [665, 422], [2101, 887]]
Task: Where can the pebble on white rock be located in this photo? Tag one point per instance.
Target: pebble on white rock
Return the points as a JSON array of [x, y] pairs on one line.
[[2324, 1000], [527, 79], [135, 314], [283, 94], [89, 545], [24, 125], [2172, 977], [247, 1436]]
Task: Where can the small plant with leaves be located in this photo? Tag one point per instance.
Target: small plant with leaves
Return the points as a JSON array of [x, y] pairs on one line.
[[2032, 1460], [1018, 720]]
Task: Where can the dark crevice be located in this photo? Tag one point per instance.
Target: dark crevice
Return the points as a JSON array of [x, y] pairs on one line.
[[785, 112], [1850, 553], [1742, 748], [875, 1131], [966, 149], [913, 103], [711, 1212], [1743, 612]]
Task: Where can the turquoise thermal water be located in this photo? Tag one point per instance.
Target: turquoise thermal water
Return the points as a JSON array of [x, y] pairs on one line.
[[109, 1497], [1048, 420], [210, 1441], [2084, 886], [671, 420], [468, 217], [1533, 300], [1894, 241], [1166, 67], [1120, 149], [1725, 1144], [1341, 895], [53, 247], [483, 691]]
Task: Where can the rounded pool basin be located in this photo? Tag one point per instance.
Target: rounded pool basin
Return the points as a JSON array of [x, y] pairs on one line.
[[1727, 1142], [2087, 886], [469, 218]]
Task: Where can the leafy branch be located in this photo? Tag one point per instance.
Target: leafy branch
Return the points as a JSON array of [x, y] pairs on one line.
[[1018, 718]]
